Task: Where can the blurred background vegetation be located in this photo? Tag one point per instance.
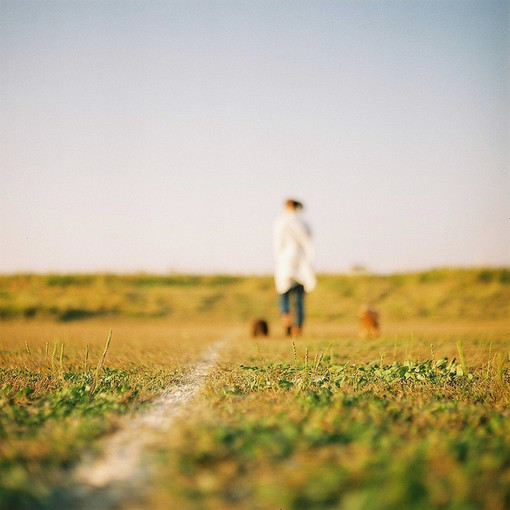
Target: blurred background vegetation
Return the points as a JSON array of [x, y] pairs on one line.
[[439, 294]]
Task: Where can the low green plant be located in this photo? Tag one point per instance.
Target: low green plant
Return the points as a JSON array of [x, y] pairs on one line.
[[367, 435]]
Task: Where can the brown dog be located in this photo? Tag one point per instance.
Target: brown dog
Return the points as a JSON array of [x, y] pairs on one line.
[[368, 322], [259, 328]]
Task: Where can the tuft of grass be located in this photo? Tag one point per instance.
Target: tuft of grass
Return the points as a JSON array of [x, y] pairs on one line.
[[61, 359], [53, 356], [101, 362], [499, 367], [86, 358], [460, 349]]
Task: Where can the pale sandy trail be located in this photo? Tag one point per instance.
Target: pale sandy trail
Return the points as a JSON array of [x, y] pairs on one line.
[[119, 475]]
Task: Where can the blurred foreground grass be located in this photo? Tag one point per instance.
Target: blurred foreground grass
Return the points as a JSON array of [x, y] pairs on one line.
[[296, 426], [50, 409]]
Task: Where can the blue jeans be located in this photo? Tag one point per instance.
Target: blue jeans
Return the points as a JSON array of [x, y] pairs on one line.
[[297, 295]]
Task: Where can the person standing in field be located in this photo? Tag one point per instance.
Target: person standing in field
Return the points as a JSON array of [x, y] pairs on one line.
[[294, 257]]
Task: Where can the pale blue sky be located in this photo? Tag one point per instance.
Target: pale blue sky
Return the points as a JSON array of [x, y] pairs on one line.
[[164, 136]]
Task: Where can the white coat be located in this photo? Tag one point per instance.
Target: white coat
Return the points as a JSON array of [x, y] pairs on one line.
[[294, 253]]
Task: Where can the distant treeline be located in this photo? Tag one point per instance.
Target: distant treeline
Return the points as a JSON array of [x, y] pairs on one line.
[[446, 294]]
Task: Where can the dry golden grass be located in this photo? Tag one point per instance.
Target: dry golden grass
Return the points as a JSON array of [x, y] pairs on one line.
[[399, 341], [135, 343]]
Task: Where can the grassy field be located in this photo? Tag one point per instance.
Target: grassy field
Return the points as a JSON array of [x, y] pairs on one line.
[[417, 419], [440, 295]]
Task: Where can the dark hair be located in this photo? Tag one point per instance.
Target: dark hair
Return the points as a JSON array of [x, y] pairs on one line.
[[294, 204]]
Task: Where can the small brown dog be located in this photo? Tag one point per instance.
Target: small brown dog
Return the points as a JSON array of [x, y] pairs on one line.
[[259, 328], [368, 323]]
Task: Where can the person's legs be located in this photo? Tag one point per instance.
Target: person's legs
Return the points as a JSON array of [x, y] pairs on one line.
[[299, 292], [299, 301], [284, 306]]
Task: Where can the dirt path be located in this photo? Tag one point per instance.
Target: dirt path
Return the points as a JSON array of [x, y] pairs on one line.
[[119, 474]]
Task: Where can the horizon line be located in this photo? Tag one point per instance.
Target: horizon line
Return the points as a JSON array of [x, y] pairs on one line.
[[240, 274]]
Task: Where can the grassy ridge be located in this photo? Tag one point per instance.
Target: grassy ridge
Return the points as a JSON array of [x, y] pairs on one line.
[[446, 294]]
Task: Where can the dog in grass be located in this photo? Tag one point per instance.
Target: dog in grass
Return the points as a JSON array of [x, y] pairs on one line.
[[259, 327], [369, 325]]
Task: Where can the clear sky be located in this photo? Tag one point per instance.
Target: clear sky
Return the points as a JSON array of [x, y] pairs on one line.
[[165, 136]]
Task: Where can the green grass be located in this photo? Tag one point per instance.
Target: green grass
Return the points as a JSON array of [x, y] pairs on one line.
[[322, 434], [417, 419], [51, 410], [43, 433], [49, 415]]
